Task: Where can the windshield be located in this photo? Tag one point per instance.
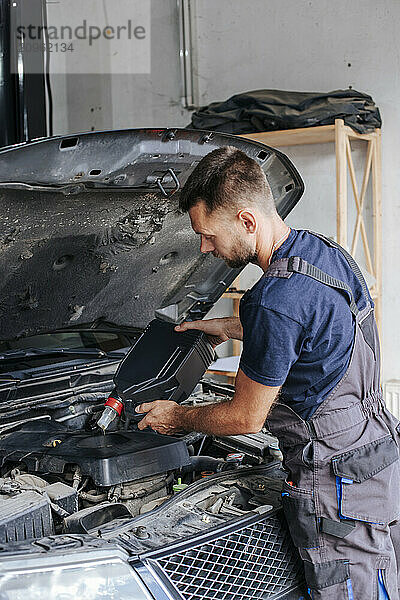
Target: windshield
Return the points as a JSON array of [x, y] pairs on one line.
[[107, 341], [61, 346]]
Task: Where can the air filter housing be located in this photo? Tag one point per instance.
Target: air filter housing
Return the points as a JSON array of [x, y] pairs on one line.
[[24, 516]]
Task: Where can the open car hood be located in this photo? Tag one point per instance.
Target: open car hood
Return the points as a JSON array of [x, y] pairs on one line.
[[91, 232]]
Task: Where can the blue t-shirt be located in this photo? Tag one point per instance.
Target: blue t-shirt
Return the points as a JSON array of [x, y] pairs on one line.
[[298, 333]]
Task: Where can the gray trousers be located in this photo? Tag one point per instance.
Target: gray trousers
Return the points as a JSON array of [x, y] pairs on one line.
[[342, 510]]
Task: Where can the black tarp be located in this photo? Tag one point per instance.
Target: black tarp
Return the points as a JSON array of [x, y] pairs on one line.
[[270, 110]]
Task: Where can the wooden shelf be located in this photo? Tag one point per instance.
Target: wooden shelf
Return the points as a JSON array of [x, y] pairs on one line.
[[230, 375], [342, 135], [309, 135], [233, 295]]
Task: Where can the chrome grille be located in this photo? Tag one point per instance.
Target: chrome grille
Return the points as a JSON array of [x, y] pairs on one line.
[[256, 562]]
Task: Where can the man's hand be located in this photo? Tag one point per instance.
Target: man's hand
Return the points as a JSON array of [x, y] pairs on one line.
[[244, 413], [217, 330], [162, 416]]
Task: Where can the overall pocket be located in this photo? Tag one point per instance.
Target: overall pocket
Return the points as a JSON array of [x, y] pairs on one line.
[[330, 580], [299, 509], [367, 482]]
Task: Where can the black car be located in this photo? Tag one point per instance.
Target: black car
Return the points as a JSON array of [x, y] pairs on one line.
[[93, 248]]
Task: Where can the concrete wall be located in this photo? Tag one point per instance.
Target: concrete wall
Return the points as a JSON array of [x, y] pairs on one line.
[[98, 102], [313, 45]]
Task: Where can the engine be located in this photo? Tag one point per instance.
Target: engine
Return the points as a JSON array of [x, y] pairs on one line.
[[115, 458], [56, 470]]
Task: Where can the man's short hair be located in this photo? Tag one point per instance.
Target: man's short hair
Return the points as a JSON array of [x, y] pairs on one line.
[[224, 178]]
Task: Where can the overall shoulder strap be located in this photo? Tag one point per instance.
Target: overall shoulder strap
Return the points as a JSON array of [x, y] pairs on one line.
[[352, 263], [285, 267]]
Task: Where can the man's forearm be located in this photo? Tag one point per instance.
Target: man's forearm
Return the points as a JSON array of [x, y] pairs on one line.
[[234, 328], [217, 419], [244, 413]]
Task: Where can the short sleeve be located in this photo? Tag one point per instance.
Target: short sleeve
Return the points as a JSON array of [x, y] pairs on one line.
[[272, 342]]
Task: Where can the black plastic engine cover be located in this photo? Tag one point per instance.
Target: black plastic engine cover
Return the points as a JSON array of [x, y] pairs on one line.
[[116, 457]]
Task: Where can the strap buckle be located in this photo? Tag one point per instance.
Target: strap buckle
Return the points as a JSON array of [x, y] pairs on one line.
[[295, 264]]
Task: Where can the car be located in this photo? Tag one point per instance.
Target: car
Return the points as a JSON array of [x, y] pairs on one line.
[[93, 248]]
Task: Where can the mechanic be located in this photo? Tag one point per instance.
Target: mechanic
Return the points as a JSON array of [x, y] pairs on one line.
[[309, 372]]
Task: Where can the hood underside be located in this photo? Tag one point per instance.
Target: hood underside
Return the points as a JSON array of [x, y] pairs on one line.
[[91, 231]]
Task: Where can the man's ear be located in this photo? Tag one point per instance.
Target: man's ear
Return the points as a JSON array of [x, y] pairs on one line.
[[247, 220]]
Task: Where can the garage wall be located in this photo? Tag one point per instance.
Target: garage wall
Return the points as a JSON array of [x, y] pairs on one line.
[[317, 45], [115, 101], [313, 45]]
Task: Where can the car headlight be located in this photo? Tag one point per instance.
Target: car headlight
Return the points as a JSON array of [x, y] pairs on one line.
[[90, 575]]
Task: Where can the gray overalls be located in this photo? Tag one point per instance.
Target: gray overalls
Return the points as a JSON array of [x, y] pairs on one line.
[[341, 498]]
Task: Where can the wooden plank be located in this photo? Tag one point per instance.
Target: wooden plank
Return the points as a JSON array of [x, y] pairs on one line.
[[377, 218], [225, 373], [236, 347], [305, 135], [359, 204], [228, 374], [236, 344], [373, 293], [339, 133], [361, 199], [294, 137], [359, 136], [233, 295], [341, 183]]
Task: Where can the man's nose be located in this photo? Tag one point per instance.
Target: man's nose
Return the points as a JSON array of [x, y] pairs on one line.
[[206, 246]]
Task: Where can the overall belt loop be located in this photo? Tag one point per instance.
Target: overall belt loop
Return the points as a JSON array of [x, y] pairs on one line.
[[311, 430]]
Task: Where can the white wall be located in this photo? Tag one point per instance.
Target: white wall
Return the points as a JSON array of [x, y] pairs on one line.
[[317, 45], [311, 45], [96, 102]]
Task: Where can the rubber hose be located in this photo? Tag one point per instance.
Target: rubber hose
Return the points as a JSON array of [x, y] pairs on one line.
[[206, 463], [151, 490], [93, 497]]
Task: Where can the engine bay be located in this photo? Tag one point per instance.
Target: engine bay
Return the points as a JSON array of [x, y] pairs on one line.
[[61, 474]]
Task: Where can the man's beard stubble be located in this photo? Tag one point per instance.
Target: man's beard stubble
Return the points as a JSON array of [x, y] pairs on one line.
[[242, 256]]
